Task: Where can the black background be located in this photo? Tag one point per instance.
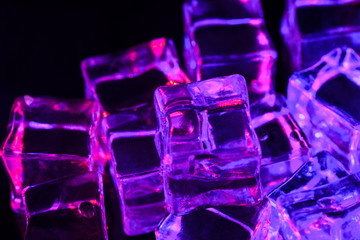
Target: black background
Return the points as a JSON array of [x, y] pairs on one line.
[[42, 45]]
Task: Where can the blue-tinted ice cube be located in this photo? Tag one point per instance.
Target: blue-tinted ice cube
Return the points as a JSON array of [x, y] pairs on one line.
[[246, 222], [283, 144], [331, 211], [224, 37], [324, 100], [320, 170], [311, 29], [209, 151]]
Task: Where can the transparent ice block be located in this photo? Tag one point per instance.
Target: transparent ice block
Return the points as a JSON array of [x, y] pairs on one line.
[[311, 29], [128, 78], [233, 223], [324, 100], [330, 211], [68, 208], [209, 151], [224, 37], [124, 84], [48, 138], [283, 144], [321, 169]]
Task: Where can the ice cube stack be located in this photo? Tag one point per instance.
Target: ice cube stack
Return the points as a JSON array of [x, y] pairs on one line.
[[213, 152]]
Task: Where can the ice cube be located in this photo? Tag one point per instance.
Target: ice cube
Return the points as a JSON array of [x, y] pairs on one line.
[[320, 170], [224, 37], [66, 208], [330, 211], [124, 84], [311, 29], [135, 169], [241, 222], [283, 144], [129, 77], [209, 151], [324, 100], [49, 138]]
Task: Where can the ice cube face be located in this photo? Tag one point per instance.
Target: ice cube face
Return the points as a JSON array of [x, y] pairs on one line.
[[66, 208], [51, 126], [142, 202], [240, 222], [283, 144], [229, 37], [331, 211], [320, 170], [324, 100], [311, 29], [49, 138], [209, 151], [130, 135], [129, 78]]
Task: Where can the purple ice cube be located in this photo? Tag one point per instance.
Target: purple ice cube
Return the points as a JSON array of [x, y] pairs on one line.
[[283, 144], [135, 168], [241, 222], [324, 100], [320, 170], [124, 84], [209, 151], [311, 29], [69, 208], [128, 78], [330, 211], [224, 37], [49, 138]]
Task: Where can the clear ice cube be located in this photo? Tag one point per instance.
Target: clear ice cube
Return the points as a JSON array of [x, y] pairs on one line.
[[224, 37], [324, 100], [330, 211], [124, 83], [321, 169], [49, 138], [283, 144], [241, 222], [209, 151], [311, 29], [69, 208]]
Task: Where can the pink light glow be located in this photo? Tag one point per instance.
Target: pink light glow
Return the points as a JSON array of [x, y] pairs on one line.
[[157, 46], [264, 79], [262, 39]]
